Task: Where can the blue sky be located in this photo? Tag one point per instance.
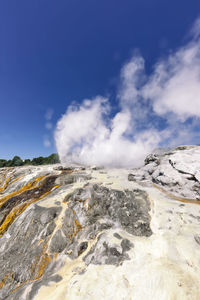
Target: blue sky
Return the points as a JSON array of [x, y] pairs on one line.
[[56, 52]]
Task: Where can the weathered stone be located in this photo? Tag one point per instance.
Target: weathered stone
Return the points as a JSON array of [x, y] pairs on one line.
[[58, 242], [82, 247], [197, 239], [91, 234], [177, 171], [116, 206], [131, 177], [117, 236], [103, 253], [126, 245]]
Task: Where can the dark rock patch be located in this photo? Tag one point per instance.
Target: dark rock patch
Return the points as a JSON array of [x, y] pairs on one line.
[[25, 252], [24, 197], [103, 253], [117, 236], [126, 245], [58, 242], [82, 247], [131, 177], [197, 239], [128, 208], [152, 158]]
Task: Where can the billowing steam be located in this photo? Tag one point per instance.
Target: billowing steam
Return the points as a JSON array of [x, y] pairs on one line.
[[161, 109]]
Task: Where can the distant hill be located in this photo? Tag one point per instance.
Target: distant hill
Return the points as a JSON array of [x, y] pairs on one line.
[[17, 161]]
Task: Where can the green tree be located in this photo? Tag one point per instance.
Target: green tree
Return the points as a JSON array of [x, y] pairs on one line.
[[53, 159], [27, 162], [38, 161], [9, 163], [3, 163], [16, 161]]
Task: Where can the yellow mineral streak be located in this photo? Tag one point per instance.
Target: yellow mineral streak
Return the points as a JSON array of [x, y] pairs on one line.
[[3, 281], [37, 267], [11, 217], [29, 186], [56, 291], [5, 185], [16, 179], [45, 260], [64, 205], [67, 171], [9, 182], [184, 200], [41, 263], [56, 255], [16, 211], [78, 227]]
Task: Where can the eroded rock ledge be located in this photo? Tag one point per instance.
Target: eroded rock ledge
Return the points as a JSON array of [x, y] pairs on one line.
[[177, 171]]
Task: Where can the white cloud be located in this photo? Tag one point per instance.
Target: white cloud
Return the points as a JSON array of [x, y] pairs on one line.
[[47, 142], [131, 74], [175, 84], [160, 109], [195, 31], [48, 125], [49, 114]]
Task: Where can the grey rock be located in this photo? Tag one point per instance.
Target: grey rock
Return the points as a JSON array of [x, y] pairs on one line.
[[117, 236], [131, 177], [104, 253], [38, 241], [177, 171], [126, 245], [58, 242], [125, 208], [197, 239], [24, 252]]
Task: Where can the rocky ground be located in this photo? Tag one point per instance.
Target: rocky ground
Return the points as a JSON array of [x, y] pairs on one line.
[[94, 233]]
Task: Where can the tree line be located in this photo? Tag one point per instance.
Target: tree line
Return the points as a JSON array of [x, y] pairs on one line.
[[17, 161]]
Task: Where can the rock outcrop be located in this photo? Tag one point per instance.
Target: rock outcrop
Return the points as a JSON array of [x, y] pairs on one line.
[[177, 171], [94, 233]]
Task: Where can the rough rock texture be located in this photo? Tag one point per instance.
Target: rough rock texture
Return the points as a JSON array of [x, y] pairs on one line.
[[92, 233], [177, 171]]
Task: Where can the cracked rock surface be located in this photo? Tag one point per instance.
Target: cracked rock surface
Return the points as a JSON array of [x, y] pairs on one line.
[[177, 171], [91, 233]]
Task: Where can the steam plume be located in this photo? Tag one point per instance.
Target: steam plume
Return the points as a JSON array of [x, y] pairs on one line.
[[161, 109]]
